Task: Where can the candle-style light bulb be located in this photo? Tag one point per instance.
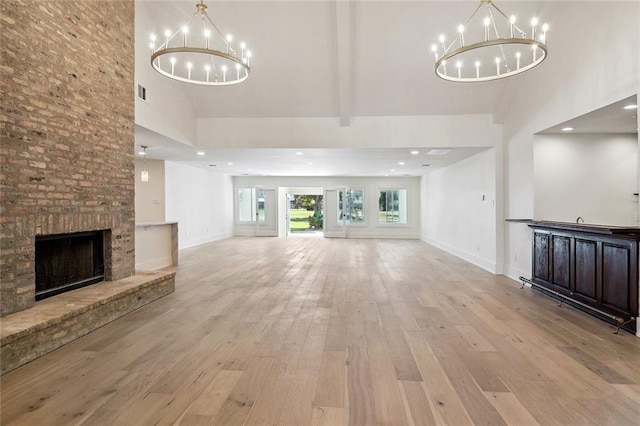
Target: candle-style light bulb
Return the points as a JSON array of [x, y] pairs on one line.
[[497, 66], [534, 48], [441, 39], [487, 22], [207, 34], [224, 72], [207, 70], [173, 64], [512, 21], [167, 34], [229, 39], [249, 55], [434, 49], [238, 71], [518, 55], [189, 66], [444, 67], [185, 31], [534, 24], [459, 66], [242, 47], [461, 32], [477, 64], [545, 28]]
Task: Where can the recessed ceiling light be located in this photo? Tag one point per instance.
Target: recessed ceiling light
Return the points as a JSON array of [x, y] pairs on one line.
[[386, 175], [229, 163], [299, 153], [415, 152], [400, 163], [438, 152], [567, 129], [392, 170], [630, 106]]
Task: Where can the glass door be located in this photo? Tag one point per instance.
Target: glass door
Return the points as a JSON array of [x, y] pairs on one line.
[[335, 218], [266, 213]]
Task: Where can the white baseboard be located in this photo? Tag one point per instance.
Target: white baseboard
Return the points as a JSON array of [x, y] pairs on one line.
[[153, 264], [203, 240], [514, 273], [483, 263]]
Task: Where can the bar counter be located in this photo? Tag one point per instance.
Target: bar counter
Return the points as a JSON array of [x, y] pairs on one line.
[[595, 265]]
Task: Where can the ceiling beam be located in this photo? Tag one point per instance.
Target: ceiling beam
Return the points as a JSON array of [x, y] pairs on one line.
[[344, 16]]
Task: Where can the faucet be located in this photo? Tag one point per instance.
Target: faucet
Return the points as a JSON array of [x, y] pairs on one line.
[[579, 219]]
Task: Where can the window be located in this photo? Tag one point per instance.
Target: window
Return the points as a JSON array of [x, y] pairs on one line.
[[392, 205], [260, 195], [354, 211], [246, 205]]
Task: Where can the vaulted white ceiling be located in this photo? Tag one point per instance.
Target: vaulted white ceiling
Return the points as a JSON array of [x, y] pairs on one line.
[[334, 58]]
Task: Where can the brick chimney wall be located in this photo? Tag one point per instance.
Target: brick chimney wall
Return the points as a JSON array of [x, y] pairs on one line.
[[67, 133]]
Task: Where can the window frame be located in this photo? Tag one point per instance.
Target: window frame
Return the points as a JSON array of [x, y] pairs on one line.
[[406, 223]]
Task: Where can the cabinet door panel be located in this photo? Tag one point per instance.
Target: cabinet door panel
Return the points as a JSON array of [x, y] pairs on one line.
[[586, 272], [561, 261], [615, 276], [541, 256]]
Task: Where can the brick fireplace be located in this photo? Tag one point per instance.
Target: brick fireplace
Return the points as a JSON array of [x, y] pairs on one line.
[[67, 129], [67, 167]]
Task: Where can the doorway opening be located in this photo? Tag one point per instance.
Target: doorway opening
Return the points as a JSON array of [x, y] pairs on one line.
[[305, 212], [306, 215]]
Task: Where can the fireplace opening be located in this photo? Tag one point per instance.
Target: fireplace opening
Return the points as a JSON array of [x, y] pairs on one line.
[[66, 262]]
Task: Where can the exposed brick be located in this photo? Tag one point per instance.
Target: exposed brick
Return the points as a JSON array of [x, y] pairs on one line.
[[66, 132]]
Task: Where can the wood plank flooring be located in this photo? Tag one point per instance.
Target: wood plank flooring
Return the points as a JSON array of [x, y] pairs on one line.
[[309, 331]]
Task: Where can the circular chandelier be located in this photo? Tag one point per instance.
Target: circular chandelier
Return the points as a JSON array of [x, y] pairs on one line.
[[480, 53], [198, 53]]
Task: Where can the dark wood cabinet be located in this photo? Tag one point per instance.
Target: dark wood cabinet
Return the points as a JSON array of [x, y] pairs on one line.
[[594, 265]]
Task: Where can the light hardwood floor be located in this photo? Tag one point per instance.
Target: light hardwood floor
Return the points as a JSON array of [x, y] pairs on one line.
[[297, 331]]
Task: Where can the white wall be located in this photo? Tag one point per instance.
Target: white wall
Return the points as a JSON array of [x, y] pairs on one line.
[[370, 228], [459, 209], [200, 201], [592, 176], [581, 74], [149, 199], [167, 111], [370, 132], [154, 248]]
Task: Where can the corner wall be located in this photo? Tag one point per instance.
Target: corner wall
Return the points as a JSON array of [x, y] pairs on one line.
[[459, 210], [150, 196], [167, 110], [200, 201], [590, 176]]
